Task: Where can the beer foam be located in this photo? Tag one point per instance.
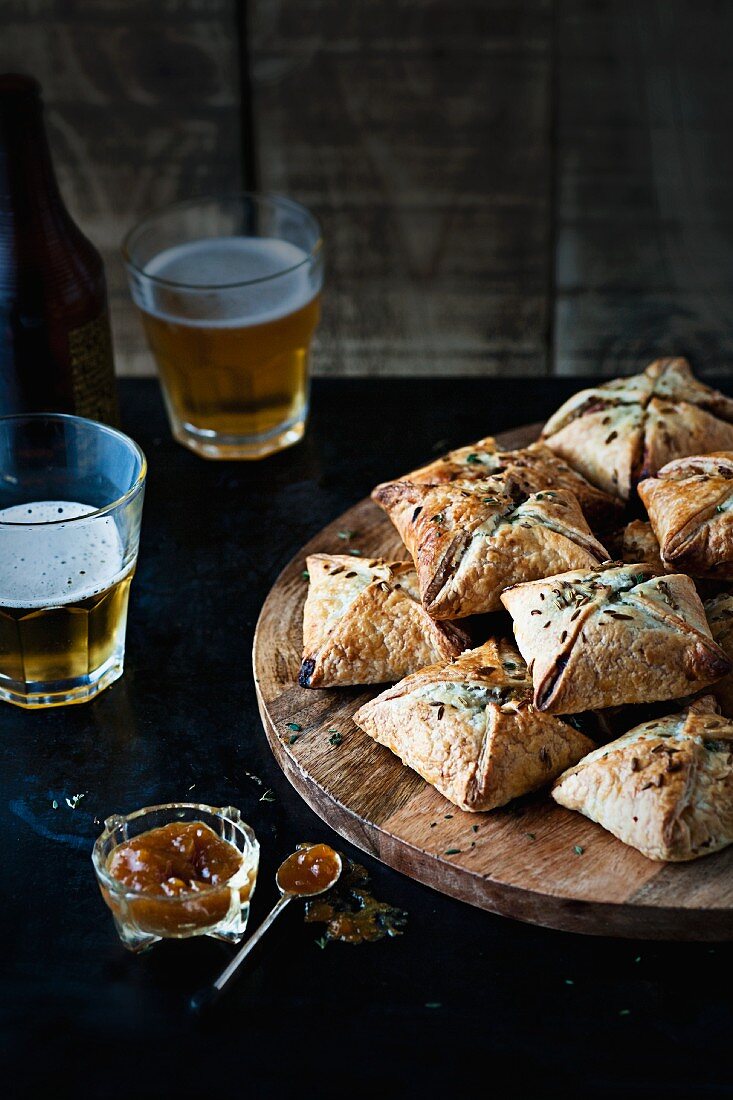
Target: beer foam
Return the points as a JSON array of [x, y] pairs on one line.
[[45, 562], [220, 263]]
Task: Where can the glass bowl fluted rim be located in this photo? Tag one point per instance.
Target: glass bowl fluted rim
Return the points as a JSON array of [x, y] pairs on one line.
[[227, 813], [114, 505], [230, 196]]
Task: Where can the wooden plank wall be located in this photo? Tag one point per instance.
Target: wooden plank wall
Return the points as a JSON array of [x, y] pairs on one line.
[[142, 109], [419, 132], [506, 186], [644, 259]]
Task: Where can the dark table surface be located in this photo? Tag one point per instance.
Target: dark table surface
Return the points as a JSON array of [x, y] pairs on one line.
[[463, 999]]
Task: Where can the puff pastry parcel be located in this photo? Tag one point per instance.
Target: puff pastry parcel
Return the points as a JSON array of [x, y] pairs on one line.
[[719, 611], [535, 468], [468, 727], [363, 623], [471, 539], [625, 430], [665, 787], [612, 636], [690, 506]]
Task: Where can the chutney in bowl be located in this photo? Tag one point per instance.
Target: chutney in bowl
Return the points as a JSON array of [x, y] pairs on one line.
[[175, 871]]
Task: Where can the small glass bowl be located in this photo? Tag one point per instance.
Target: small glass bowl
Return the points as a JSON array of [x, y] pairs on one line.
[[220, 911]]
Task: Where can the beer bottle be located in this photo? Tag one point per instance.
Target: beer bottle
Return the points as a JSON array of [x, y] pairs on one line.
[[55, 341]]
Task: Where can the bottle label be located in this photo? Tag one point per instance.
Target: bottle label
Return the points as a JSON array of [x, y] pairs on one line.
[[92, 370]]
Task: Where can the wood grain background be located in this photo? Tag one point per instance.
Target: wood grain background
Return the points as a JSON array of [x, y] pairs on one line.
[[506, 186]]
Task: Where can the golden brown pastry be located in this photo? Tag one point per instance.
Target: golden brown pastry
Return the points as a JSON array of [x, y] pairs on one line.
[[611, 636], [363, 623], [690, 506], [534, 468], [471, 539], [719, 611], [665, 787], [622, 431], [468, 727], [637, 542]]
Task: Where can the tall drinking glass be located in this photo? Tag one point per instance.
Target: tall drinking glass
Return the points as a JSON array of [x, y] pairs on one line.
[[229, 293], [71, 497]]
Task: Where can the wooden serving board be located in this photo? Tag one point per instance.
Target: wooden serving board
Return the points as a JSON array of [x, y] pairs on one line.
[[521, 861]]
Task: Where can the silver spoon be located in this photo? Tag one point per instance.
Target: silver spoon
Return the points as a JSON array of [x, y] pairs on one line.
[[310, 870]]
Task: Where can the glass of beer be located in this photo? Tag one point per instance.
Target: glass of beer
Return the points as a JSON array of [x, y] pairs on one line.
[[229, 292], [71, 497]]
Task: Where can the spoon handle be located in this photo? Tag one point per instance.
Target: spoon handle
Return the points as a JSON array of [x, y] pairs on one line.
[[209, 993]]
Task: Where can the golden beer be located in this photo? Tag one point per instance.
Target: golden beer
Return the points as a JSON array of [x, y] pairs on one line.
[[229, 290], [65, 642], [230, 321], [238, 380], [63, 600]]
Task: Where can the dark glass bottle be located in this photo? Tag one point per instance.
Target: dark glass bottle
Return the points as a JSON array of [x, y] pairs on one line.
[[55, 342]]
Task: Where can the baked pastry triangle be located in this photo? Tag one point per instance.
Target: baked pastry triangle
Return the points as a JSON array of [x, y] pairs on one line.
[[665, 787], [471, 539], [611, 636], [534, 468], [363, 623], [468, 727], [719, 612], [622, 431], [690, 506]]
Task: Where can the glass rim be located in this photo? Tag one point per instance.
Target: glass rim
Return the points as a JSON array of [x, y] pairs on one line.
[[125, 498], [227, 813], [232, 196]]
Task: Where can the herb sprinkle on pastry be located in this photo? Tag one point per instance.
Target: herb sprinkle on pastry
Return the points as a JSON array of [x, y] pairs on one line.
[[665, 787], [363, 623], [471, 539], [624, 430], [534, 468], [616, 635], [468, 727]]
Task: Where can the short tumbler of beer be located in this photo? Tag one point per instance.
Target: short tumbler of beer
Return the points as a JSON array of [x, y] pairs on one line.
[[229, 292], [71, 497]]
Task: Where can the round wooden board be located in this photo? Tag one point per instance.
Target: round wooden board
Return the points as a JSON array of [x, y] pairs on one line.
[[520, 861]]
